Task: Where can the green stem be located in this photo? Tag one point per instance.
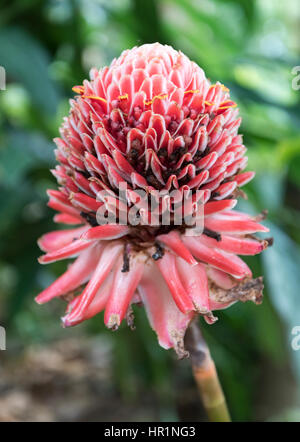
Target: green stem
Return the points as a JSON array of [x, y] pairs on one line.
[[206, 377]]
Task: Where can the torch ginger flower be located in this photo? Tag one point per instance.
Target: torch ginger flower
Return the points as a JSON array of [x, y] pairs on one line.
[[153, 121]]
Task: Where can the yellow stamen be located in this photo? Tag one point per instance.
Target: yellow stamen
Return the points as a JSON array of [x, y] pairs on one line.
[[224, 88], [160, 97], [94, 97], [192, 91], [123, 97], [196, 91], [227, 106], [78, 89]]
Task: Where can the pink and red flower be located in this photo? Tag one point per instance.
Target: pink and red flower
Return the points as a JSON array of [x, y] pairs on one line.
[[151, 120]]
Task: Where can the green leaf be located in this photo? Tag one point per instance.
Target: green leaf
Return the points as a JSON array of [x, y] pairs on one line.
[[23, 151], [26, 61], [282, 264]]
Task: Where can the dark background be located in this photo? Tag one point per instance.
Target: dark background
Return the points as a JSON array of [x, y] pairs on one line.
[[88, 373]]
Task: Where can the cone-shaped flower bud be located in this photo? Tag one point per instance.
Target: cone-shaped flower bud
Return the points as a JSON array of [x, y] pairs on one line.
[[148, 140]]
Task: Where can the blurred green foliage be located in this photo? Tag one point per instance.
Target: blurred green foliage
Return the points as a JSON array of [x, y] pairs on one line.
[[46, 47]]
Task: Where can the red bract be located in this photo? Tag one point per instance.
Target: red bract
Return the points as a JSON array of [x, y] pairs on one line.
[[153, 121]]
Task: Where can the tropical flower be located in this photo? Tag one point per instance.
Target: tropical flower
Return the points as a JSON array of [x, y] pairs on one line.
[[152, 121]]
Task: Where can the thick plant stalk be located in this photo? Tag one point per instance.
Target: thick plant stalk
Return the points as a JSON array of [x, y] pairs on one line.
[[206, 376]]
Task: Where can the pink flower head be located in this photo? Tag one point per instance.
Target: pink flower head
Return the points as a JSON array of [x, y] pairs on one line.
[[152, 121]]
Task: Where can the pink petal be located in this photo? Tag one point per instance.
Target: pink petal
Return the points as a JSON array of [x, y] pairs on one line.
[[168, 268], [227, 262], [63, 207], [220, 278], [244, 178], [195, 282], [234, 244], [218, 206], [76, 275], [224, 223], [95, 307], [68, 251], [173, 241], [59, 238], [106, 232], [123, 164], [124, 286], [164, 316], [104, 266], [65, 218], [225, 190], [85, 202]]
